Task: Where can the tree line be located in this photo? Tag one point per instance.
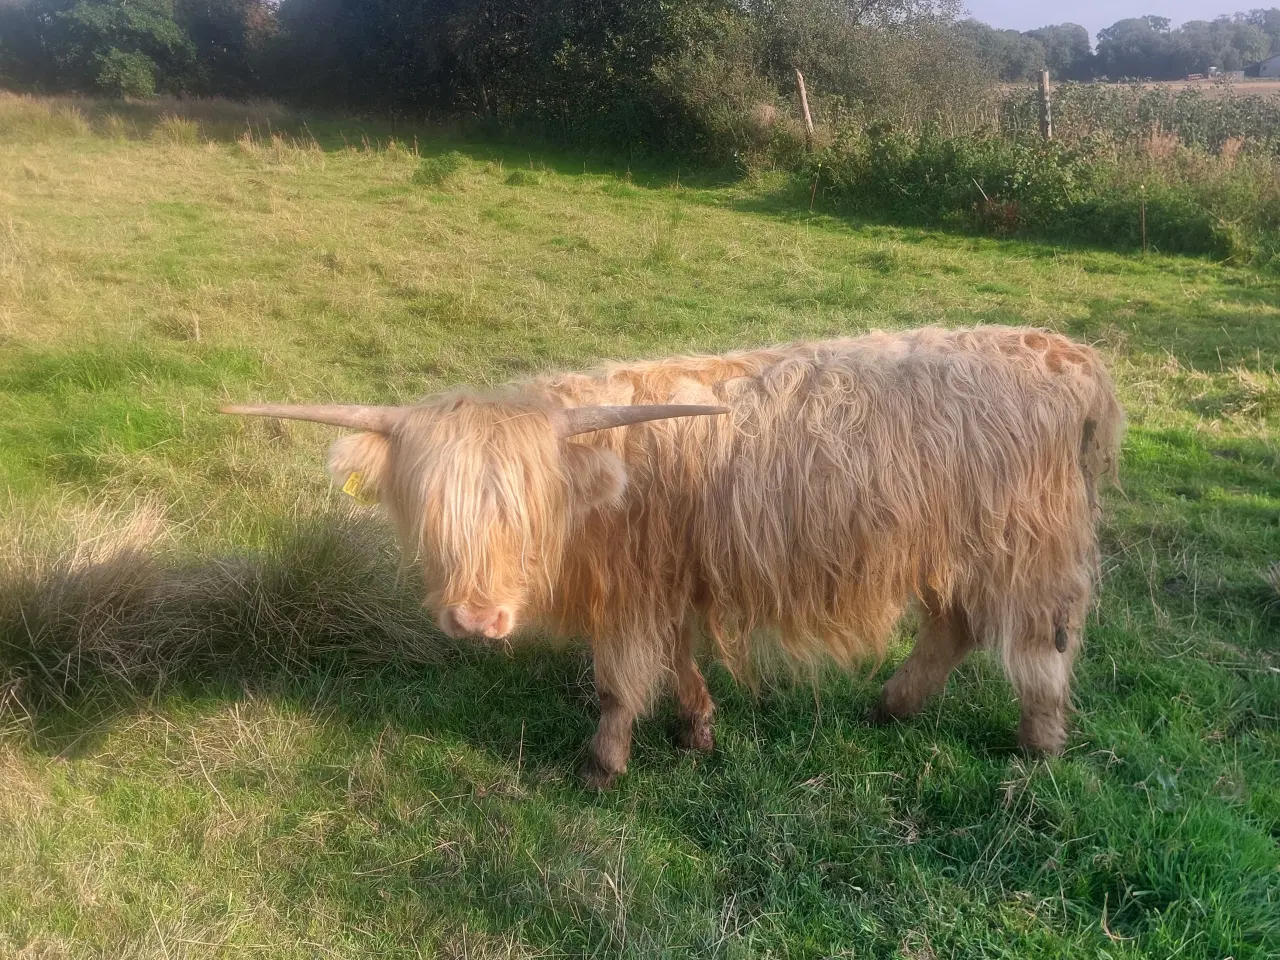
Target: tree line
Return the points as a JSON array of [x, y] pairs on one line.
[[1147, 48], [696, 76], [701, 76]]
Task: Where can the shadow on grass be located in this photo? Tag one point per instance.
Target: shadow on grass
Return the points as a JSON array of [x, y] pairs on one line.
[[801, 814], [506, 839], [491, 745], [1201, 332], [121, 616], [177, 120], [90, 648], [452, 770]]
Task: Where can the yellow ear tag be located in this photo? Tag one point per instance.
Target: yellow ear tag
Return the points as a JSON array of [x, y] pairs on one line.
[[352, 488]]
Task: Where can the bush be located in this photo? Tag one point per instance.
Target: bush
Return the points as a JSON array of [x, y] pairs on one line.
[[1190, 200], [932, 179], [436, 171], [523, 178]]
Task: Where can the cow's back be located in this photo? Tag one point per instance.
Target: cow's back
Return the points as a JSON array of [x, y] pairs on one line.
[[850, 476]]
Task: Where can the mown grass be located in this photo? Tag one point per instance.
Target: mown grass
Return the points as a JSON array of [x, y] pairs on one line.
[[289, 763]]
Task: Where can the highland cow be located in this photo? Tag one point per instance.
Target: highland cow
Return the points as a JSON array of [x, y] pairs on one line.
[[800, 496]]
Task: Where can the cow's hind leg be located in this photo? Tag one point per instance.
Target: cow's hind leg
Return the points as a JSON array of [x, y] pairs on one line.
[[626, 675], [946, 637], [693, 700]]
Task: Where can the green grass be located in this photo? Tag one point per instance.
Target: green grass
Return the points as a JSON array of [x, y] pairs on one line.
[[319, 775]]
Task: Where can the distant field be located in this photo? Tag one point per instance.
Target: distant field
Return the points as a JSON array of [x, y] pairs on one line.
[[1246, 87], [324, 777]]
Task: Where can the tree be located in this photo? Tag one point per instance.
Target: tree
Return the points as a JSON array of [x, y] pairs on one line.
[[1243, 42], [1009, 54], [22, 54], [1268, 21], [651, 74], [1066, 50], [119, 46], [229, 40], [1136, 47], [554, 62], [115, 47], [1146, 47]]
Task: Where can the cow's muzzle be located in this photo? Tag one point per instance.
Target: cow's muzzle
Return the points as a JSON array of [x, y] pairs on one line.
[[492, 623]]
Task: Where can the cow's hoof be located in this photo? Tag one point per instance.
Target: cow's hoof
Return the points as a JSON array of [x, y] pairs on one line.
[[880, 716], [697, 735], [1043, 742], [596, 777]]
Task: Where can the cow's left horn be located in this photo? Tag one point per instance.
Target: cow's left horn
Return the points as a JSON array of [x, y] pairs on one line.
[[379, 419], [576, 420]]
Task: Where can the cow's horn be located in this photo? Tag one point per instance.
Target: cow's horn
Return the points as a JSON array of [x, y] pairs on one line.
[[575, 420], [380, 419]]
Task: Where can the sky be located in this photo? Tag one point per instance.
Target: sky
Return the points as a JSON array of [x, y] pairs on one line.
[[1093, 15]]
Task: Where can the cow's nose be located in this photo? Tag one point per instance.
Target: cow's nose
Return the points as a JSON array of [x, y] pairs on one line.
[[468, 621]]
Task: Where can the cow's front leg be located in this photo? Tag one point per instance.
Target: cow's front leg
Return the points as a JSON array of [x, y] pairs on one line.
[[611, 746], [626, 674], [693, 700]]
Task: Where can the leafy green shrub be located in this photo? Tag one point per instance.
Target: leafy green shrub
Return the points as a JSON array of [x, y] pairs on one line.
[[1174, 199], [932, 179], [436, 171], [523, 178], [717, 103], [123, 75]]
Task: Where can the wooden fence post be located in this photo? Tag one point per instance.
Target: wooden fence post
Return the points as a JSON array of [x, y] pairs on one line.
[[804, 108], [1046, 109]]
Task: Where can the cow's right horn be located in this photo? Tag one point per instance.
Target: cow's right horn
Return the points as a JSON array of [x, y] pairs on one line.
[[378, 419], [575, 420]]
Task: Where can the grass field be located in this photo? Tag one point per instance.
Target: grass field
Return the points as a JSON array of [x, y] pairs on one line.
[[228, 732]]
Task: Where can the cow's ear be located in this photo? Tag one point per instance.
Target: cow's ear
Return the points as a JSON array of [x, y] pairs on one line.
[[596, 477], [358, 465]]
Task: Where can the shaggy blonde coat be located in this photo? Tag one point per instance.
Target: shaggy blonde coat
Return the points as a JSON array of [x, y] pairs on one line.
[[955, 468]]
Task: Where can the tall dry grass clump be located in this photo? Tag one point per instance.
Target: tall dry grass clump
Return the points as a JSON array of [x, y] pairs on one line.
[[25, 119], [176, 131], [216, 118], [1161, 145], [1230, 150], [29, 118], [117, 595], [112, 126]]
